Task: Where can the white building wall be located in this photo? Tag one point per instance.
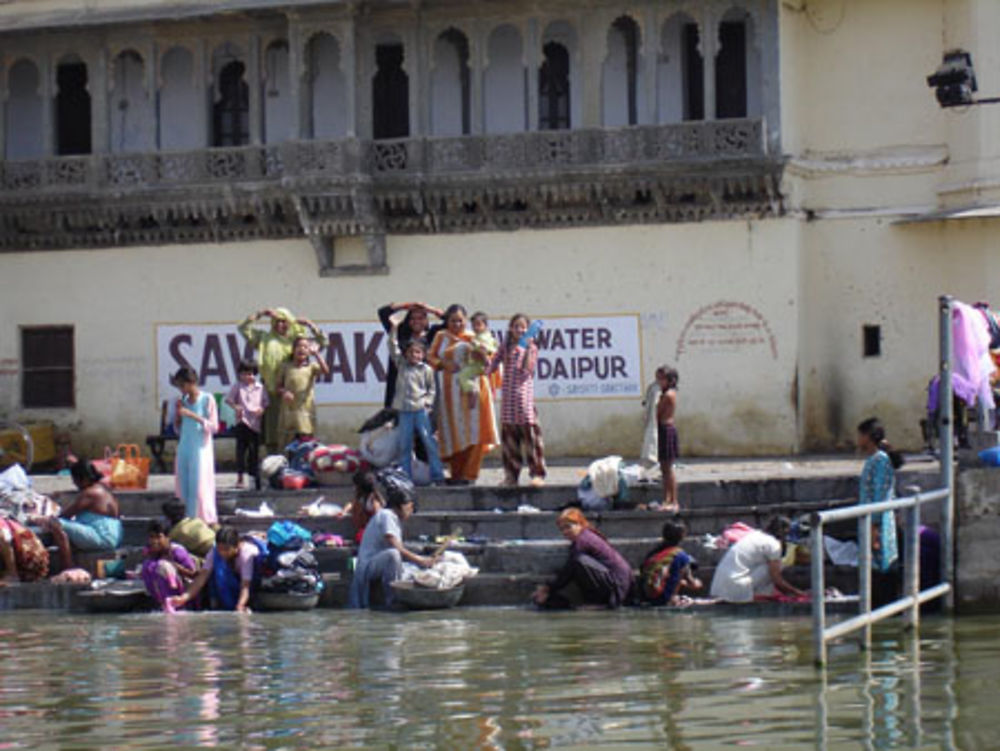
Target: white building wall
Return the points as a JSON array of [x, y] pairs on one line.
[[729, 393]]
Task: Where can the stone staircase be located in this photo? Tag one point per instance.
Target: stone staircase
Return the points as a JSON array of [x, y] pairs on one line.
[[514, 546]]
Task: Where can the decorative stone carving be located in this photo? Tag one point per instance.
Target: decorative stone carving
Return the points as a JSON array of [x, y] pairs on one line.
[[670, 173]]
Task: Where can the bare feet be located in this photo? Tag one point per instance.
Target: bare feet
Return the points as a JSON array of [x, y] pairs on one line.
[[537, 482]]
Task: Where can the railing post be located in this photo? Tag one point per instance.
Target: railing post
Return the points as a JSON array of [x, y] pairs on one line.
[[911, 563], [818, 590], [865, 575], [946, 441]]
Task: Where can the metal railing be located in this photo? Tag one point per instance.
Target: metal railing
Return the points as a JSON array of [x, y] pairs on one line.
[[913, 597]]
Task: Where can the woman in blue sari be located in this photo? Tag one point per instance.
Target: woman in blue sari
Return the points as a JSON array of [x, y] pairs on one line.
[[231, 570], [877, 484]]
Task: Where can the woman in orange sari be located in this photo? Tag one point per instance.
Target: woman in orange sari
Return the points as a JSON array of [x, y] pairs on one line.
[[467, 431]]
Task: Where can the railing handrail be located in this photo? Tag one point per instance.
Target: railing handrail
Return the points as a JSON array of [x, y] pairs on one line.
[[869, 509]]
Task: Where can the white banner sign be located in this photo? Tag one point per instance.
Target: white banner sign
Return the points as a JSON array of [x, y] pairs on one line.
[[582, 357]]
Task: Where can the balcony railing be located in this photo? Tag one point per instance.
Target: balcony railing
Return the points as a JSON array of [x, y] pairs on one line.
[[322, 189], [518, 154]]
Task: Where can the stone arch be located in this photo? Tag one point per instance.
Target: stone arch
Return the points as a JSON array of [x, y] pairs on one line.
[[276, 85], [180, 108], [558, 78], [327, 87], [390, 89], [230, 97], [131, 108], [24, 134], [505, 92], [72, 107], [450, 84], [680, 71], [622, 91]]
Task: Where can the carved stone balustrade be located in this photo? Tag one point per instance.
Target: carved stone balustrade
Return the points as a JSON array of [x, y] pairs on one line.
[[668, 173]]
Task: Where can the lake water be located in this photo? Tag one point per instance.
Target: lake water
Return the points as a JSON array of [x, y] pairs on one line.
[[488, 679]]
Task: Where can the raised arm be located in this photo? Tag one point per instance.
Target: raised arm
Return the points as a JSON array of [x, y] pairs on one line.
[[211, 419], [247, 330], [408, 555], [433, 358]]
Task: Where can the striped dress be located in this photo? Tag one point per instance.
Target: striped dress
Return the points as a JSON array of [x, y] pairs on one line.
[[459, 425]]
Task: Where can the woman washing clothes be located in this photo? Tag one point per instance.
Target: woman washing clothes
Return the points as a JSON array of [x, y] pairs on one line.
[[230, 572]]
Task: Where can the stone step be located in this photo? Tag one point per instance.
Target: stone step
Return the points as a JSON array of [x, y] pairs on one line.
[[515, 525], [694, 494]]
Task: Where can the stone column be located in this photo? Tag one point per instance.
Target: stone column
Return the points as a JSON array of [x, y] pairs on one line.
[[349, 68], [253, 80], [358, 71], [477, 69], [413, 67], [204, 87], [299, 89], [4, 96], [592, 49], [532, 61], [420, 80], [100, 85], [708, 42], [649, 48], [47, 83]]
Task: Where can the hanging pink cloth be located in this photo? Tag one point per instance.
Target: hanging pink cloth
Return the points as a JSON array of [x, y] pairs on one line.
[[971, 357]]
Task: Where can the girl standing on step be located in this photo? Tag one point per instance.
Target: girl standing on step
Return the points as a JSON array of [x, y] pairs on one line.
[[196, 420], [296, 388], [520, 432], [877, 484]]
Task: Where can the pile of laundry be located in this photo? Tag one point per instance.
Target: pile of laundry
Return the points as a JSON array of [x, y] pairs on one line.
[[450, 570], [18, 501], [290, 565]]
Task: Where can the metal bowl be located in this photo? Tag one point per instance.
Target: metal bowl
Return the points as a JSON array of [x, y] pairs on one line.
[[121, 597], [286, 600], [416, 597]]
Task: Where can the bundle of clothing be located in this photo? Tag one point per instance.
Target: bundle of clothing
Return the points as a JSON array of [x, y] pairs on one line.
[[450, 570], [606, 484], [378, 445], [308, 463], [18, 501], [290, 565]]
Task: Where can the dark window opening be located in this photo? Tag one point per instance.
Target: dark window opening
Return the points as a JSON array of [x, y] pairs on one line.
[[630, 32], [232, 111], [872, 340], [693, 74], [553, 88], [461, 44], [47, 366], [390, 94], [72, 109], [731, 71]]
